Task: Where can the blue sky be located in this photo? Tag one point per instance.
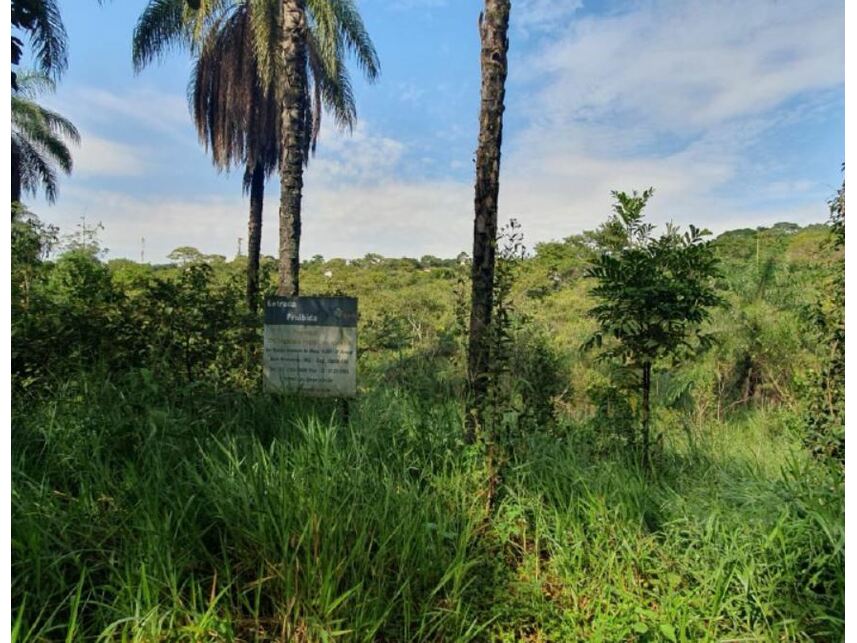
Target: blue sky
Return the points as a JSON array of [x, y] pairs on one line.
[[733, 111]]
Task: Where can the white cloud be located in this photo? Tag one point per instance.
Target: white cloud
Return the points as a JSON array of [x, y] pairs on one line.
[[687, 65], [411, 93], [212, 224], [417, 4], [575, 195], [787, 189], [558, 181], [102, 157], [355, 157], [346, 219], [392, 218], [354, 204], [676, 95], [153, 110], [533, 16], [406, 218], [527, 17]]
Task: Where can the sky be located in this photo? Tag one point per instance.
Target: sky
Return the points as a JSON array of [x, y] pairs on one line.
[[732, 110]]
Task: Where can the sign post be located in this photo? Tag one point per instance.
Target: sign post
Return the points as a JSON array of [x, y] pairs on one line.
[[310, 346]]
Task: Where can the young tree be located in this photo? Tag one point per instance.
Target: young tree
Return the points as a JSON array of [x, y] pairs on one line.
[[493, 30], [654, 295]]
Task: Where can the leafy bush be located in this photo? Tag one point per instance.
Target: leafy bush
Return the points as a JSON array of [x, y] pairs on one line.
[[825, 406], [185, 327]]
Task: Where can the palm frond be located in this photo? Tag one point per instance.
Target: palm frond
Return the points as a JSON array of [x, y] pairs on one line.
[[350, 28], [265, 28], [329, 74], [32, 83], [339, 98], [234, 92], [247, 179], [36, 170], [42, 20], [316, 109], [25, 112], [160, 27], [30, 117], [52, 149], [235, 112], [39, 138], [59, 125]]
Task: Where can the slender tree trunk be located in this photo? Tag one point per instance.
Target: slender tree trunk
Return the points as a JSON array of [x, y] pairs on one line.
[[647, 386], [493, 28], [757, 251], [16, 175], [292, 144], [254, 235]]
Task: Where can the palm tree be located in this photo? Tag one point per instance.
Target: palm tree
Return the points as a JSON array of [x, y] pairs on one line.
[[241, 85], [493, 29], [39, 140]]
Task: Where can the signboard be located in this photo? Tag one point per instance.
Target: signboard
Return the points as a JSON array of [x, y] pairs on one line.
[[311, 345]]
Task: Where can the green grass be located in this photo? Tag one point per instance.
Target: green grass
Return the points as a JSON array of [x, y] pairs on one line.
[[141, 513]]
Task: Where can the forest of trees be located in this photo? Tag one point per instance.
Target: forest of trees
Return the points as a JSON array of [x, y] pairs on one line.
[[631, 433]]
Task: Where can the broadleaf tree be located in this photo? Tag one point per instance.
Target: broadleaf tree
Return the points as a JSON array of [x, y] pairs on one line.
[[653, 296]]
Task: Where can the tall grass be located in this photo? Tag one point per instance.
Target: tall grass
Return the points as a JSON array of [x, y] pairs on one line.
[[141, 513]]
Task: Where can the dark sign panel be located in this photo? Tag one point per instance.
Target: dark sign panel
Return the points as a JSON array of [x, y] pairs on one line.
[[311, 345], [312, 311]]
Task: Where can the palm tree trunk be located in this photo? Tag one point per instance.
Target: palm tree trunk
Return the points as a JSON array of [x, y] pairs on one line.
[[493, 27], [293, 138], [254, 235]]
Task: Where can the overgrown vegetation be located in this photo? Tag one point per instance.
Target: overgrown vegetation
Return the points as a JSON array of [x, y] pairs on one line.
[[159, 494], [825, 414], [497, 494]]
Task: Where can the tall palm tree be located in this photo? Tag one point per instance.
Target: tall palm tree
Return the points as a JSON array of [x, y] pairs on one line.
[[242, 86], [493, 29], [39, 140]]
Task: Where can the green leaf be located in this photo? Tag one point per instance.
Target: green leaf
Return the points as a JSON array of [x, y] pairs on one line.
[[668, 631], [640, 628]]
